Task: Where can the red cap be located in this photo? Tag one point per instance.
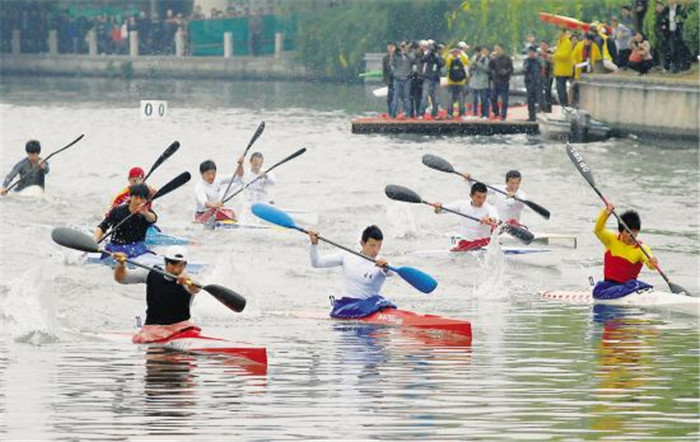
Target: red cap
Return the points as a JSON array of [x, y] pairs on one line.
[[136, 172]]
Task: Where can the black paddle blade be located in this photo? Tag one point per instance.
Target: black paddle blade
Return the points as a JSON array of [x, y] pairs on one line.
[[537, 208], [291, 157], [74, 240], [173, 184], [437, 163], [257, 134], [228, 297], [675, 288], [520, 233], [164, 156], [577, 159], [400, 193]]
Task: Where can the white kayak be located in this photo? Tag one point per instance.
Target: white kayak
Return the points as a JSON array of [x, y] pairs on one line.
[[544, 239], [648, 298]]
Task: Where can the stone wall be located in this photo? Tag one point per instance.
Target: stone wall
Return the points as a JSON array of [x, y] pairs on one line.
[[656, 107]]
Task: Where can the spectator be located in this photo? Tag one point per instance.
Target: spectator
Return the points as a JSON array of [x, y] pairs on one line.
[[640, 10], [479, 81], [563, 65], [626, 17], [547, 80], [585, 55], [532, 67], [608, 49], [197, 13], [662, 53], [640, 59], [622, 36], [456, 64], [500, 68], [678, 52], [387, 73], [416, 83], [430, 65], [401, 68]]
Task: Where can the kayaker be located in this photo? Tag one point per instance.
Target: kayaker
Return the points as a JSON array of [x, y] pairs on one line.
[[32, 170], [209, 191], [129, 237], [623, 258], [361, 280], [509, 209], [168, 300], [256, 192], [474, 234], [136, 175]]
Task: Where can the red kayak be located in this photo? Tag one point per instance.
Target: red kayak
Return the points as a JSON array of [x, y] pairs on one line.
[[568, 22], [390, 316], [192, 341]]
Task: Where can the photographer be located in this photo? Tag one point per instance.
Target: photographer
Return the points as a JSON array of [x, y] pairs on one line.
[[479, 82], [402, 66], [416, 92], [431, 64]]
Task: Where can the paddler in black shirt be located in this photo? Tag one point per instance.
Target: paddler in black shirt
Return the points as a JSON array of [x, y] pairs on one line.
[[168, 300], [129, 237]]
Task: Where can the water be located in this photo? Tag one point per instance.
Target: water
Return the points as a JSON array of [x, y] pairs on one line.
[[537, 369]]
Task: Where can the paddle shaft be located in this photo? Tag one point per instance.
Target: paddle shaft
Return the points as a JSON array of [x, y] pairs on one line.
[[473, 218], [535, 207], [11, 186], [256, 135], [328, 241], [162, 272]]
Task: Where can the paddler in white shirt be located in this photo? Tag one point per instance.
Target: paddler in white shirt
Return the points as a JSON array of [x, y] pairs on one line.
[[209, 191], [509, 209], [257, 192], [361, 280], [474, 234]]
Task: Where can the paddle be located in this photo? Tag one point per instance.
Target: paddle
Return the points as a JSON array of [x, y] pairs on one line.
[[79, 241], [418, 279], [581, 165], [11, 186], [400, 193], [164, 156], [166, 189], [437, 163], [279, 163]]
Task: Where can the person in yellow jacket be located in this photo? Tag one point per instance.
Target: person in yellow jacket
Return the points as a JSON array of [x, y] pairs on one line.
[[623, 258], [585, 55], [563, 66], [608, 60], [456, 64]]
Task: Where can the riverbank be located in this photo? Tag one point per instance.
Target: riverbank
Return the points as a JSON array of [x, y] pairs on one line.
[[659, 108], [282, 67]]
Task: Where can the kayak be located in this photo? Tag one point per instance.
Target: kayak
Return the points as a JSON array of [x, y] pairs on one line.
[[234, 225], [648, 298], [446, 328], [569, 22], [192, 341], [403, 318], [544, 239], [148, 259]]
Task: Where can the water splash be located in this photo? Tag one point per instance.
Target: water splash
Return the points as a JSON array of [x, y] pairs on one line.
[[492, 282], [401, 220], [28, 309]]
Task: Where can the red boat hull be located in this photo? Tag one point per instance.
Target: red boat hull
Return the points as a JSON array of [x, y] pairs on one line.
[[455, 327]]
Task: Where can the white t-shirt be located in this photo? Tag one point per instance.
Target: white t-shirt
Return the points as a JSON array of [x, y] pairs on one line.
[[258, 191], [471, 230], [211, 193], [508, 208], [361, 278]]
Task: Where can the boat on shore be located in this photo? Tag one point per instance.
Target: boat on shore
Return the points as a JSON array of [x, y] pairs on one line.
[[573, 125], [653, 299]]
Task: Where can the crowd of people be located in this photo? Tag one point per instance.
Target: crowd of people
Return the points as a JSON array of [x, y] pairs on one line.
[[156, 32], [412, 70]]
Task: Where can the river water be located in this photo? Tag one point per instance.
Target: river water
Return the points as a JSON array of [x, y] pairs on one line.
[[537, 369]]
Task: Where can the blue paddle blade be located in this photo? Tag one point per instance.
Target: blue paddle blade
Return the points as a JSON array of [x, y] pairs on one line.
[[418, 279], [273, 215]]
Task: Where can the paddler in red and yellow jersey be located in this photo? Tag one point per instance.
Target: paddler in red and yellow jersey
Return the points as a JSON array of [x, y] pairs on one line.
[[623, 257], [136, 176]]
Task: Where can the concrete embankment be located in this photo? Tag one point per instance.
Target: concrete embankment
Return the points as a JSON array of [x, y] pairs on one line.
[[240, 68], [652, 107]]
